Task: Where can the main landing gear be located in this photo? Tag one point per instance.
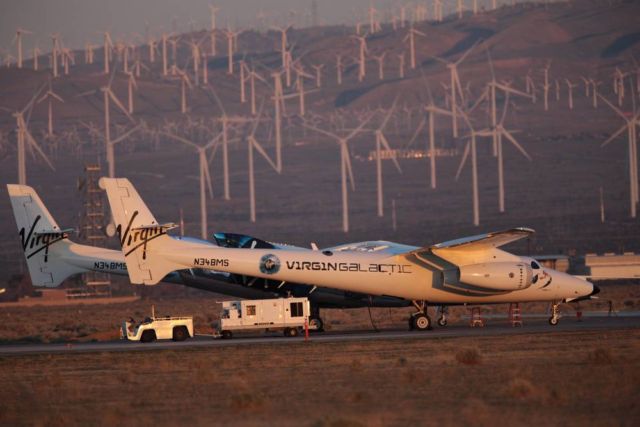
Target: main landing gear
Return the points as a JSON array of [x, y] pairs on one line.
[[555, 317], [420, 320], [443, 310]]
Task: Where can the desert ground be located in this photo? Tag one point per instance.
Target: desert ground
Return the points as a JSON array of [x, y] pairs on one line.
[[557, 379]]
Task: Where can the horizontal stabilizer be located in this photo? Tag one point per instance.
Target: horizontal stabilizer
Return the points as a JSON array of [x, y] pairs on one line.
[[53, 232], [163, 227]]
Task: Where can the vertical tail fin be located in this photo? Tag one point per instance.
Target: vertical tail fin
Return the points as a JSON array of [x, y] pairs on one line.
[[41, 238], [140, 234]]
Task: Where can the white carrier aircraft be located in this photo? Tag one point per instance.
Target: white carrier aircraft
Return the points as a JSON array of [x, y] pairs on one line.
[[52, 257], [470, 270]]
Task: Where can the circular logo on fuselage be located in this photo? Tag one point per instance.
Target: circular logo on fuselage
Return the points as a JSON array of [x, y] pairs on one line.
[[269, 264]]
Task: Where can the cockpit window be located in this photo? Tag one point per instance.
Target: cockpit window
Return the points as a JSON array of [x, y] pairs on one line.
[[535, 265]]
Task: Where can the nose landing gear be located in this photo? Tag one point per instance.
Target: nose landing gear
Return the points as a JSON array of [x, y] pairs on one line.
[[420, 321], [555, 317]]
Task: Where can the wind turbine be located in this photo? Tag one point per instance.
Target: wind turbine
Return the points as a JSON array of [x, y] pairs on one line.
[[362, 43], [345, 166], [411, 37], [546, 86], [185, 83], [494, 86], [339, 69], [254, 144], [108, 45], [214, 10], [109, 97], [630, 127], [432, 111], [55, 39], [283, 43], [500, 132], [380, 60], [50, 96], [318, 69], [231, 36], [25, 138], [36, 54], [131, 85], [18, 40], [570, 87], [205, 176], [456, 87], [381, 141], [471, 147]]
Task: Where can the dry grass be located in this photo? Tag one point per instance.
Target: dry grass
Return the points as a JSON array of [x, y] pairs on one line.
[[336, 384]]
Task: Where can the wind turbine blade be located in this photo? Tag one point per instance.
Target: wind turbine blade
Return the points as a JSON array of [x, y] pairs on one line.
[[359, 128], [213, 142], [35, 145], [613, 107], [615, 135], [256, 122], [29, 107], [384, 141], [418, 130], [459, 86], [180, 139], [506, 88], [493, 74], [481, 98], [515, 143], [125, 135], [113, 73], [444, 61], [346, 158], [119, 105], [264, 154], [313, 128], [504, 109], [218, 101], [464, 159], [388, 116], [53, 94], [207, 176], [466, 53]]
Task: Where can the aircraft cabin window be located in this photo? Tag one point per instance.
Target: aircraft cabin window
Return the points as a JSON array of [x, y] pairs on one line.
[[535, 265]]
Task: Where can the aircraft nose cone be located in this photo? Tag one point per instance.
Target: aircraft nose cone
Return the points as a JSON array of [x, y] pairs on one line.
[[596, 290]]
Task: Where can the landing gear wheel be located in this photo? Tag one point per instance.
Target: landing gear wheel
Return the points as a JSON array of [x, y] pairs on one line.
[[553, 321], [227, 335], [316, 324], [442, 321], [421, 322]]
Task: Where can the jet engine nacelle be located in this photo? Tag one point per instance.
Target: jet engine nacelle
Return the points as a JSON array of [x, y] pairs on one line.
[[501, 276]]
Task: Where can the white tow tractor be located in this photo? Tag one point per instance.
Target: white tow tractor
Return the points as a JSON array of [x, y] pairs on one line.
[[157, 328], [286, 314]]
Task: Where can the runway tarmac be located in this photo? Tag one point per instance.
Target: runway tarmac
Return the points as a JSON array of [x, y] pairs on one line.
[[460, 329]]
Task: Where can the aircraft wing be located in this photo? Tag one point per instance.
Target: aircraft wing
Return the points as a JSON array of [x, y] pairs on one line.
[[475, 249], [485, 241]]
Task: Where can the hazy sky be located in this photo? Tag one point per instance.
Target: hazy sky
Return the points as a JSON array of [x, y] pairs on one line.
[[80, 20]]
